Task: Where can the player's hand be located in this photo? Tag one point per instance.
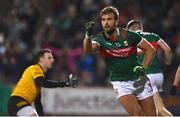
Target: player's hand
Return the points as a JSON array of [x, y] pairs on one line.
[[72, 81], [89, 28], [173, 90], [139, 70]]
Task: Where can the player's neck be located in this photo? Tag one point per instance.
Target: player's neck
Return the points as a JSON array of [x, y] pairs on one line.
[[113, 35], [43, 67]]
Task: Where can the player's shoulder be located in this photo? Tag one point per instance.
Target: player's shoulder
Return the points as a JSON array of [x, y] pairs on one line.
[[100, 34], [33, 68], [130, 32], [148, 34]]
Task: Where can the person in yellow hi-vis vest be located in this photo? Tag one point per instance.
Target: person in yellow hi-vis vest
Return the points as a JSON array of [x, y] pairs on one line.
[[28, 89]]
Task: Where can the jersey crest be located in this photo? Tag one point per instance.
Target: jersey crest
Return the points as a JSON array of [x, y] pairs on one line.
[[124, 34]]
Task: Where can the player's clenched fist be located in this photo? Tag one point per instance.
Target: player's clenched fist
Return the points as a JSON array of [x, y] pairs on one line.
[[89, 28]]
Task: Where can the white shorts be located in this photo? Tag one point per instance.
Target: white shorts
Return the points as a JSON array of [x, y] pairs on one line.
[[27, 111], [156, 81], [122, 88]]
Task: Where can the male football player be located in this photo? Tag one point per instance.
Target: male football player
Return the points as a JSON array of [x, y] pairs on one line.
[[28, 89], [118, 47]]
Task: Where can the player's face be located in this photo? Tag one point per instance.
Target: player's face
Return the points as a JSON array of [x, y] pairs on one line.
[[48, 60], [108, 22], [135, 27]]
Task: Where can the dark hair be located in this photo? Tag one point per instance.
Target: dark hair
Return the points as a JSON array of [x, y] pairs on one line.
[[132, 22], [41, 53], [108, 10]]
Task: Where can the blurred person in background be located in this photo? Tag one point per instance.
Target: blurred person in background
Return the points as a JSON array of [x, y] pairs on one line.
[[119, 48], [176, 82], [154, 71], [28, 89]]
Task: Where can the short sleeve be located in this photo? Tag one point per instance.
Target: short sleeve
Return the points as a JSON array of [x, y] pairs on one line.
[[135, 37], [37, 73], [156, 37]]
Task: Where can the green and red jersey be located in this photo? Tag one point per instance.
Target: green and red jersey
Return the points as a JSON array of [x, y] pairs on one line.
[[154, 67], [120, 55]]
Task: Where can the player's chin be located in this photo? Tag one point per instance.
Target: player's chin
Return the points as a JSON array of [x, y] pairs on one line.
[[107, 29]]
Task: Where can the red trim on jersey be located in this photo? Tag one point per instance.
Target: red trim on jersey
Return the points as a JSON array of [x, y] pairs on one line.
[[154, 44], [124, 52]]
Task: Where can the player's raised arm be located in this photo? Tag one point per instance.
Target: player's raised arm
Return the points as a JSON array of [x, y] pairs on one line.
[[149, 51], [88, 46]]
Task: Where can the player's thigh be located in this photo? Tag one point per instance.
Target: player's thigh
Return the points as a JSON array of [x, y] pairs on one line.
[[131, 104], [27, 111], [148, 106]]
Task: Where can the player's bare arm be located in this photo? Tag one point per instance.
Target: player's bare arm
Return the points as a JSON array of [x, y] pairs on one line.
[[149, 51], [90, 47], [167, 51], [177, 77], [176, 82]]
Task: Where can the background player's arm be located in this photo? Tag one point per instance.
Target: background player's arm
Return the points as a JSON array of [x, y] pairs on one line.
[[149, 51], [177, 77], [167, 51], [176, 82], [38, 105]]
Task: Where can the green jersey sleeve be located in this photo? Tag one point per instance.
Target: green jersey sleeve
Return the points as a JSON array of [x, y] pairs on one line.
[[150, 36], [136, 38], [155, 37], [98, 39]]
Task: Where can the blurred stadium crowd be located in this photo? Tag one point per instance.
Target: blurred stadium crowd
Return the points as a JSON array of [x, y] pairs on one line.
[[28, 25]]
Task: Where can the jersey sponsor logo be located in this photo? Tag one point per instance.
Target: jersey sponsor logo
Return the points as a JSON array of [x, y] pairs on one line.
[[108, 43], [124, 52]]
